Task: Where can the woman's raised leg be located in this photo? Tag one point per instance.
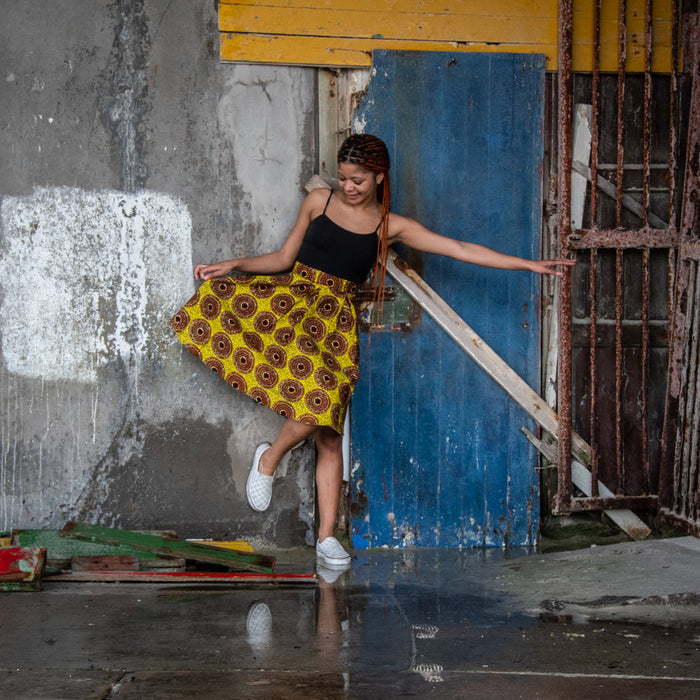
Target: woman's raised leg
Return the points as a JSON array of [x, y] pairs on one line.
[[292, 433], [266, 460], [329, 479]]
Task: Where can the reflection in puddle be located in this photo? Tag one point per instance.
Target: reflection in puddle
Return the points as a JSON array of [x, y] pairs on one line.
[[420, 617], [397, 624], [258, 625]]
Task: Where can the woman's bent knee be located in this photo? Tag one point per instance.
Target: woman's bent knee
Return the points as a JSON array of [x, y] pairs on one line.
[[328, 440]]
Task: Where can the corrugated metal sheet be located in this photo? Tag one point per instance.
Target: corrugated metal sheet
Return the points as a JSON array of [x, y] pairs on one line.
[[438, 455]]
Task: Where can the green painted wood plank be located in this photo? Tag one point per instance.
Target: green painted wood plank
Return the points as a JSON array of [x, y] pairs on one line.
[[64, 549], [170, 547]]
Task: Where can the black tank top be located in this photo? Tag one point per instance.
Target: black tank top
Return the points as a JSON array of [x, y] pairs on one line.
[[337, 251]]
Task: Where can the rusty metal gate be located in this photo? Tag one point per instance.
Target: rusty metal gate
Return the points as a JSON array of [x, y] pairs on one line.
[[679, 488], [634, 232]]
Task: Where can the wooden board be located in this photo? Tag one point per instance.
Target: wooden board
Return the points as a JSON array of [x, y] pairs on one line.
[[170, 547], [340, 53], [240, 545], [346, 32], [373, 22], [119, 562], [60, 550], [223, 577]]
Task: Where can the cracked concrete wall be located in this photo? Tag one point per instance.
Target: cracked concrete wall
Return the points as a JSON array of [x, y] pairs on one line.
[[128, 153]]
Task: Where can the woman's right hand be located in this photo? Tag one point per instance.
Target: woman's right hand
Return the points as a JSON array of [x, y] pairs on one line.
[[211, 270], [270, 263]]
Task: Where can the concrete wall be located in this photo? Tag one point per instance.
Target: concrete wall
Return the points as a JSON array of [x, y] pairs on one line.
[[128, 152]]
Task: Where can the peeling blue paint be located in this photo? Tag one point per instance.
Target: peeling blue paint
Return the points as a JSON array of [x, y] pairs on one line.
[[438, 443]]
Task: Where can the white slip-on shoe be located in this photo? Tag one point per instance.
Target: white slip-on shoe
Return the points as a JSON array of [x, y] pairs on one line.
[[331, 554], [258, 488]]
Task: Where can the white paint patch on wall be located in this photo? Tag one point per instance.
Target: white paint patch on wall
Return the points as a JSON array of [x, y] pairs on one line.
[[265, 138], [89, 277]]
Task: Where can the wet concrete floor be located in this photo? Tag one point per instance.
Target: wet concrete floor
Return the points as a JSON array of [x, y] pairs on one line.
[[621, 620]]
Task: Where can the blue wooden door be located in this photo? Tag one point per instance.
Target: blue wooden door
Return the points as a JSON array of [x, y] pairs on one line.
[[439, 458]]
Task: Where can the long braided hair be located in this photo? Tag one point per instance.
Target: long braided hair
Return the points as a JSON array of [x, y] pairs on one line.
[[371, 153]]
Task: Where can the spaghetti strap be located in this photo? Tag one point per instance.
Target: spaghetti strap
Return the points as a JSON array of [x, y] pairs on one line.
[[328, 200]]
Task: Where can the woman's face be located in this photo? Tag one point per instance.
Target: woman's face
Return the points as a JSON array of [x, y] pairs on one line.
[[358, 185]]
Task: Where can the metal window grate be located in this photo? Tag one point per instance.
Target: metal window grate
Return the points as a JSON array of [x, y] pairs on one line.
[[620, 212]]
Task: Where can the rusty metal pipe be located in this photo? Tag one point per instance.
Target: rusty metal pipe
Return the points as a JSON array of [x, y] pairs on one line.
[[645, 370], [564, 111], [687, 416], [619, 310], [593, 374], [690, 460], [621, 59], [673, 145], [648, 29], [628, 238], [595, 107], [669, 403], [647, 114]]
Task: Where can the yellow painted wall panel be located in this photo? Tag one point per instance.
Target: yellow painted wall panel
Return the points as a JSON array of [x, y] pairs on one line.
[[379, 23], [344, 32], [583, 59], [522, 8], [662, 29], [315, 51]]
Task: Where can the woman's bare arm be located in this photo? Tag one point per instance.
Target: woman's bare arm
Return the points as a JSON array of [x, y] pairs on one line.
[[277, 261], [413, 234]]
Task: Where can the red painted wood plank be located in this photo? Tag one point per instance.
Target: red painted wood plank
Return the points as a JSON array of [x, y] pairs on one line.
[[21, 568], [179, 577]]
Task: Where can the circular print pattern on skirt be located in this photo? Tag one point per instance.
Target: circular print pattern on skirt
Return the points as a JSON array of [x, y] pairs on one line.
[[288, 341]]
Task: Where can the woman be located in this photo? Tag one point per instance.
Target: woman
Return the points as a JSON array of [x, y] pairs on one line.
[[286, 333]]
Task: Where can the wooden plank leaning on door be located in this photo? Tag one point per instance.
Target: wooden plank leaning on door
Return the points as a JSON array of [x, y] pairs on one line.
[[528, 399]]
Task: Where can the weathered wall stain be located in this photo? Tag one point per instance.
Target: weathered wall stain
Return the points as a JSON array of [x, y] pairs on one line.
[[83, 288], [269, 152], [125, 99], [83, 282], [128, 152]]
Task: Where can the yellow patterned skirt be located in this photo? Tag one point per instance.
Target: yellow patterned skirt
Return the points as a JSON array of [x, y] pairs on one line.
[[289, 341]]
